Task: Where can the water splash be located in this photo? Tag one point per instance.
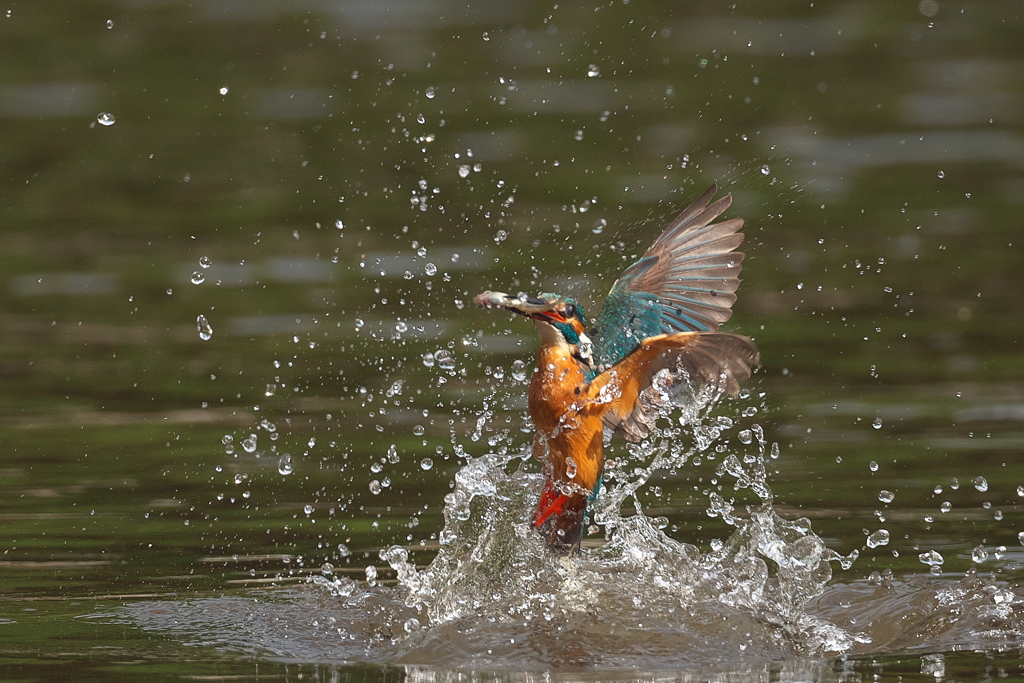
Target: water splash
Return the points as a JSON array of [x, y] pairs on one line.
[[492, 568]]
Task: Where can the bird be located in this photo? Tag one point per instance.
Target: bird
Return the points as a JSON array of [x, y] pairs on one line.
[[657, 330]]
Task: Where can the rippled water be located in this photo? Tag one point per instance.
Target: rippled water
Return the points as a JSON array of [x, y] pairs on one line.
[[237, 360]]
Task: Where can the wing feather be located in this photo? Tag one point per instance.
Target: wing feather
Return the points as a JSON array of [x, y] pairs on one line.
[[686, 281], [627, 391]]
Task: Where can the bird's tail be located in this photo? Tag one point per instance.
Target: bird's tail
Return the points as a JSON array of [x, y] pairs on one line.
[[559, 518]]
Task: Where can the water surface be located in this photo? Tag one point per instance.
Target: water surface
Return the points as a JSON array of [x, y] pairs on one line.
[[329, 184]]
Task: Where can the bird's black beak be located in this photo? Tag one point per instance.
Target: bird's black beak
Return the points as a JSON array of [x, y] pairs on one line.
[[529, 306]]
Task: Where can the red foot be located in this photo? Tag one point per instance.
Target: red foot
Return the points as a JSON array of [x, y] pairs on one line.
[[551, 503]]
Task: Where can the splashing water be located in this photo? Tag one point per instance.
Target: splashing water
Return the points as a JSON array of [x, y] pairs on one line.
[[495, 598], [641, 589]]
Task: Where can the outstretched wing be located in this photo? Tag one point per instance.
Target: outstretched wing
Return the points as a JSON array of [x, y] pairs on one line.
[[627, 393], [685, 282]]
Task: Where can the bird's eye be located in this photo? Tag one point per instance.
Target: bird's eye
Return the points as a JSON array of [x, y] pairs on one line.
[[570, 311]]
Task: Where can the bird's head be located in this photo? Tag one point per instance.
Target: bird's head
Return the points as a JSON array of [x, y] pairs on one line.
[[559, 319]]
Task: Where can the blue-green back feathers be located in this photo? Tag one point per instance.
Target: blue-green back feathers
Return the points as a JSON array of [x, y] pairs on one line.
[[686, 282]]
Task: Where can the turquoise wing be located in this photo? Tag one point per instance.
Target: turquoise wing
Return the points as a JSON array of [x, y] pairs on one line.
[[686, 282]]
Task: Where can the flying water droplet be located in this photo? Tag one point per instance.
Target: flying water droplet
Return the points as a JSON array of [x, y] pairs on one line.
[[205, 262], [430, 269], [570, 468], [444, 359], [198, 277], [519, 373], [878, 538], [284, 465], [223, 90], [593, 71], [599, 225], [426, 464], [877, 424], [980, 484], [430, 93], [979, 554], [308, 509], [105, 118], [886, 496], [765, 170], [464, 170], [269, 391], [931, 558], [205, 330], [249, 443], [873, 466], [428, 359]]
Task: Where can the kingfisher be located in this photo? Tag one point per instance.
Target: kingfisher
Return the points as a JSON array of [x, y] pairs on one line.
[[657, 331]]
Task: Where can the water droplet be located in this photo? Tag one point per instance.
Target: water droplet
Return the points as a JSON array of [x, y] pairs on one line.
[[464, 170], [401, 327], [430, 269], [500, 236], [418, 430], [105, 118], [444, 359], [979, 554], [343, 550], [411, 624], [359, 323], [110, 23], [946, 506], [430, 93], [942, 174], [980, 484], [428, 361], [284, 465], [205, 262], [599, 225], [375, 487], [746, 436], [931, 558], [570, 467], [269, 391], [226, 439], [249, 443], [205, 330], [873, 466], [765, 170], [198, 277], [578, 135], [223, 90], [593, 71], [308, 509], [1020, 537], [519, 374], [420, 118], [426, 464], [886, 496], [877, 424], [878, 538]]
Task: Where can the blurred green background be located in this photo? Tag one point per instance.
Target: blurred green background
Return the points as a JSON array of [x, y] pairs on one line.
[[329, 183]]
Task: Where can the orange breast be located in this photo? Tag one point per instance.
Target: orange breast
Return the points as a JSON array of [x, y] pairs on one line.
[[572, 428]]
